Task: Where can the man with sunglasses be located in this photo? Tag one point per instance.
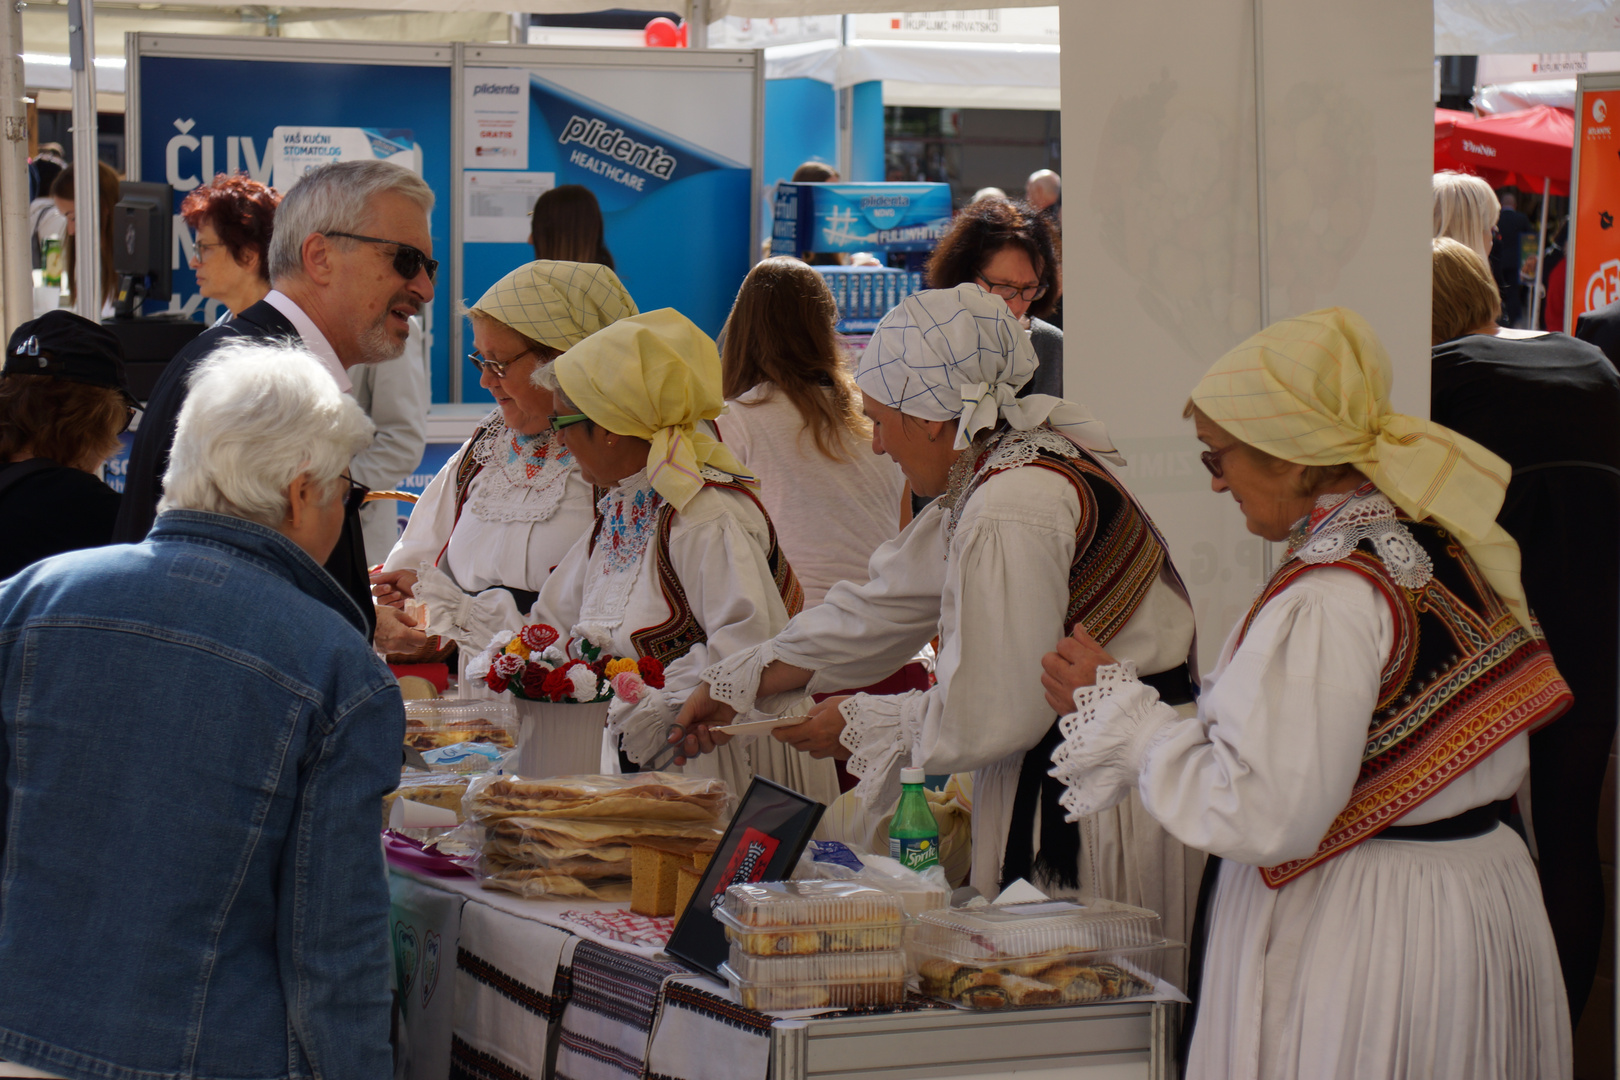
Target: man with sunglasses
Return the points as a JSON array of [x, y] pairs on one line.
[[350, 264]]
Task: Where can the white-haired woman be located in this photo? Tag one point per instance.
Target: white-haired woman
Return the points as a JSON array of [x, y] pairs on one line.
[[1356, 744], [259, 746], [1465, 209], [509, 504], [1031, 535]]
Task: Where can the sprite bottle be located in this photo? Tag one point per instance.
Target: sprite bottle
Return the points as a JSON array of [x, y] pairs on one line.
[[914, 834]]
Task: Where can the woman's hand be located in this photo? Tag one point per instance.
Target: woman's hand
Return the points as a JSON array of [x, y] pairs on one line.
[[396, 633], [393, 587], [818, 736], [1072, 666], [698, 715]]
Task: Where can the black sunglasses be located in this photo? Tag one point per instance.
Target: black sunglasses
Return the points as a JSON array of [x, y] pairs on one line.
[[355, 496], [129, 418], [408, 261]]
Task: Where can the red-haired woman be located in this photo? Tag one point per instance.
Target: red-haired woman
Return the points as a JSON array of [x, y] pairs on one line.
[[233, 217]]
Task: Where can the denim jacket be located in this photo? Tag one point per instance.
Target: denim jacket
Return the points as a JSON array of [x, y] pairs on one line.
[[198, 738]]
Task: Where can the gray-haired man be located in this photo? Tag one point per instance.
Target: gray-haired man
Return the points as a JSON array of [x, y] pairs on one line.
[[350, 263]]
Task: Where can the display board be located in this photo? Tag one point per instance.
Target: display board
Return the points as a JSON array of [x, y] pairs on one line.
[[1243, 175], [670, 143], [1594, 239], [274, 108]]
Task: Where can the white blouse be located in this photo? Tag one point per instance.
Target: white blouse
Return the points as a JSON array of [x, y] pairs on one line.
[[718, 547], [1268, 762], [510, 534], [996, 593]]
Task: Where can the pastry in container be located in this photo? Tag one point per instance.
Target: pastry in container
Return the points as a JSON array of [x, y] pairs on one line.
[[1060, 952], [823, 981], [798, 918]]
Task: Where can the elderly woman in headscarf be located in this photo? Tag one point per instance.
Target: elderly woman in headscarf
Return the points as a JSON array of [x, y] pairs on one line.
[[1031, 534], [683, 565], [510, 503], [1352, 750]]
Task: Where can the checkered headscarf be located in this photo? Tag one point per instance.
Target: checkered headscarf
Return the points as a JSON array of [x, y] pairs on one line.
[[958, 354], [555, 303]]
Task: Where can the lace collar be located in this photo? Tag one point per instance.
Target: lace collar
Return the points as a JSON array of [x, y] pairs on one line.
[[992, 452], [1339, 522], [523, 477]]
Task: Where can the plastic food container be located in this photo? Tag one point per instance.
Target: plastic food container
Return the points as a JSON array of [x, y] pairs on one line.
[[828, 981], [799, 918], [1058, 952], [434, 723]]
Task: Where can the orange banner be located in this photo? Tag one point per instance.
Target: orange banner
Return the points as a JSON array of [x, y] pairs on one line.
[[1596, 230]]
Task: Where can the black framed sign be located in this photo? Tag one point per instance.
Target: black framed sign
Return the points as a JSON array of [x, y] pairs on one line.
[[763, 843]]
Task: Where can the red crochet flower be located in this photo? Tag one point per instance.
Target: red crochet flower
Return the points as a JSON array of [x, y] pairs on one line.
[[652, 672], [507, 665], [534, 681], [557, 684], [539, 636], [495, 681]]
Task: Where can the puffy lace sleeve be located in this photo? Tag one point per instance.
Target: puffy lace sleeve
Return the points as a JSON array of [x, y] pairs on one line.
[[734, 681], [881, 732], [1107, 739]]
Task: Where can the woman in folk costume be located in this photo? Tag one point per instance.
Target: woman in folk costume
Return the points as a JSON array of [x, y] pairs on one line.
[[1031, 534], [509, 504], [1370, 916], [683, 563]]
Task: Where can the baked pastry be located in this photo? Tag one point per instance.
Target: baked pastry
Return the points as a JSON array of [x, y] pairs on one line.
[[687, 880], [645, 796], [652, 880]]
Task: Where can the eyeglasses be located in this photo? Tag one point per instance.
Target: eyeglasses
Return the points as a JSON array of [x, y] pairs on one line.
[[204, 249], [566, 420], [1212, 460], [408, 261], [129, 418], [355, 496], [1013, 292], [496, 368]]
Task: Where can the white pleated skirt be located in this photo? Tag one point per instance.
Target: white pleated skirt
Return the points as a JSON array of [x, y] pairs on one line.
[[1398, 959]]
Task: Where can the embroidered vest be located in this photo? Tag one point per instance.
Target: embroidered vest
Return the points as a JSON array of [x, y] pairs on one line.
[[673, 638], [1117, 553], [1463, 676]]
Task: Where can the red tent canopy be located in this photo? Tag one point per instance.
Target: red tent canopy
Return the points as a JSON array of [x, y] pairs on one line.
[[1522, 148], [1442, 117]]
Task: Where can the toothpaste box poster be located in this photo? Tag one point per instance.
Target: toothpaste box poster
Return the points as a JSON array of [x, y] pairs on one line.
[[278, 118], [667, 153]]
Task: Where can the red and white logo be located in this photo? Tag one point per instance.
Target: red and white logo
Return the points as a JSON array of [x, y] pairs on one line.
[[1600, 110], [1603, 287]]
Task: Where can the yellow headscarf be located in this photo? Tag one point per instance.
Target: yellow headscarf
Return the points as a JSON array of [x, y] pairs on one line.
[[555, 303], [653, 377], [1315, 390]]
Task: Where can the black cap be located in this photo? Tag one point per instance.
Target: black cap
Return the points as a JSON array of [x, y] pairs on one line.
[[68, 346]]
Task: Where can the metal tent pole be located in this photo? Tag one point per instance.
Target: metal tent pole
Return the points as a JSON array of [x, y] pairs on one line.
[[86, 174], [16, 282], [1541, 253]]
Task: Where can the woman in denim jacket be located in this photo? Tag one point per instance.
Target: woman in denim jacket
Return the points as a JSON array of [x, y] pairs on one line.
[[197, 741]]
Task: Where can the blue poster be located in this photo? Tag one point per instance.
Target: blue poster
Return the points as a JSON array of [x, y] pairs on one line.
[[676, 215], [274, 118]]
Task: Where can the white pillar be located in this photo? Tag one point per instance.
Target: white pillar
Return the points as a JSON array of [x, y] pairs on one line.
[[86, 175], [697, 25], [16, 283]]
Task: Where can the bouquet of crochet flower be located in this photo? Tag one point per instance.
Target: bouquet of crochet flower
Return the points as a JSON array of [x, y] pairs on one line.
[[536, 665]]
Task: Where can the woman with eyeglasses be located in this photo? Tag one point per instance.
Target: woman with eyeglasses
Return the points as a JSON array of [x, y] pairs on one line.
[[1030, 535], [63, 404], [683, 566], [233, 218], [1352, 753], [1010, 250], [510, 503]]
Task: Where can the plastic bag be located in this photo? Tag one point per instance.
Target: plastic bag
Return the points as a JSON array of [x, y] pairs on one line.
[[440, 722]]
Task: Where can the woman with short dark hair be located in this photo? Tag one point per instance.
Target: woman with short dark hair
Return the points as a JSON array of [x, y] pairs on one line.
[[63, 404], [1008, 249], [233, 218]]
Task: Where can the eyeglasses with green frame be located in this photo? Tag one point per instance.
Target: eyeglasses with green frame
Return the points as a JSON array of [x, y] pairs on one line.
[[558, 422]]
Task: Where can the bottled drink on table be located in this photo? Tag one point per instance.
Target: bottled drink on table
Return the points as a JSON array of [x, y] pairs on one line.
[[914, 834]]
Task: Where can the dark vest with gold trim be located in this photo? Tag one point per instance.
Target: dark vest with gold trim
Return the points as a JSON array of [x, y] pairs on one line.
[[1463, 676], [673, 638], [1118, 555]]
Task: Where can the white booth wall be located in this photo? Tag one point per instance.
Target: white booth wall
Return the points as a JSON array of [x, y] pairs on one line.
[[1177, 246]]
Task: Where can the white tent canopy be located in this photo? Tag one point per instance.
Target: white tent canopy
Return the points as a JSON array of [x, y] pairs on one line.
[[1482, 27]]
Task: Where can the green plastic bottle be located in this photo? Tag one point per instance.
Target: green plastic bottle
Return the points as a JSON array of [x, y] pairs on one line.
[[914, 834]]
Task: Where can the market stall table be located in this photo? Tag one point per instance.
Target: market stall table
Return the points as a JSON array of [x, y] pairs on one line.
[[539, 988]]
